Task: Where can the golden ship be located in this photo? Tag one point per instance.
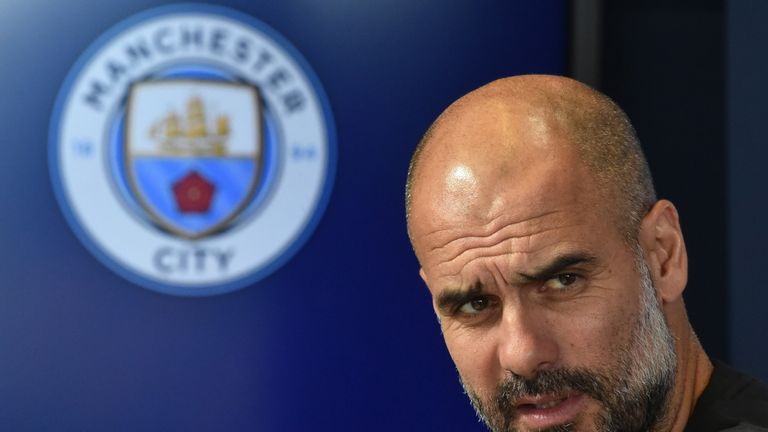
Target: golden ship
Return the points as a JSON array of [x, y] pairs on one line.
[[190, 136]]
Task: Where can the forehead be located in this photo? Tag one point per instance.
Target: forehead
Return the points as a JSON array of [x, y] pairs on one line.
[[548, 208]]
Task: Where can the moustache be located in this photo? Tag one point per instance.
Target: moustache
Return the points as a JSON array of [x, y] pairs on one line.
[[514, 387]]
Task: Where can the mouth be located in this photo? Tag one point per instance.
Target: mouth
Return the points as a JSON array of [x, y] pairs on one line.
[[541, 412]]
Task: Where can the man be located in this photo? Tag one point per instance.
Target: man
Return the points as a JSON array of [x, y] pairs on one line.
[[556, 275]]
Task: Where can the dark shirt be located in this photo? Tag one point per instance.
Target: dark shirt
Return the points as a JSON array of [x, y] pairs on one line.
[[732, 402]]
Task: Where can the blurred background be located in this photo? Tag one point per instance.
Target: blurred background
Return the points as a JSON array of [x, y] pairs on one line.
[[341, 336]]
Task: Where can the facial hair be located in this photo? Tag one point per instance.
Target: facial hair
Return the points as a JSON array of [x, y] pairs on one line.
[[634, 394]]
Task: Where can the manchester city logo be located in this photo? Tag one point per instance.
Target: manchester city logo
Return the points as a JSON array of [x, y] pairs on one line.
[[192, 150]]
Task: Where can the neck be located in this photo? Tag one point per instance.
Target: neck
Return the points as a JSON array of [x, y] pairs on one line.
[[692, 376]]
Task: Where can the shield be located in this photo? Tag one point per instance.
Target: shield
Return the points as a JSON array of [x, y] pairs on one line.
[[193, 152]]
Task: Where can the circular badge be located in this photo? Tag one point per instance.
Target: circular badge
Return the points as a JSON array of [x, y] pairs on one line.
[[192, 150]]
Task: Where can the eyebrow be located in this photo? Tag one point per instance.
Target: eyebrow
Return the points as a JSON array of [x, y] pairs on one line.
[[558, 265], [458, 296], [451, 297]]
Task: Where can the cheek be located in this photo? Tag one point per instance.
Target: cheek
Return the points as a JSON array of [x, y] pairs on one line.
[[588, 340], [474, 357], [594, 339]]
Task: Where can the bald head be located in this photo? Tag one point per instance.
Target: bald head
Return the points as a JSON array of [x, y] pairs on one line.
[[497, 135]]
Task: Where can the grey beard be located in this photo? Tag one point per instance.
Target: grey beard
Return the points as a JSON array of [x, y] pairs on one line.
[[634, 396]]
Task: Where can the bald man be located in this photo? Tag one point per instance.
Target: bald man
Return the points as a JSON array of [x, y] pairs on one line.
[[556, 274]]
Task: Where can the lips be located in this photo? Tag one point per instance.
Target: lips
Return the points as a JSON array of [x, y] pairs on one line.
[[548, 410]]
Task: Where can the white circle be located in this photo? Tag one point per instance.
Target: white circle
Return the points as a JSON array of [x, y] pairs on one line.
[[80, 165]]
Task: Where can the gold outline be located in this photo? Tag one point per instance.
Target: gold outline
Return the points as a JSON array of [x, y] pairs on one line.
[[160, 220]]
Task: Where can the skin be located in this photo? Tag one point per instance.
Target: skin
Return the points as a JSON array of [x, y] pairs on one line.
[[500, 198]]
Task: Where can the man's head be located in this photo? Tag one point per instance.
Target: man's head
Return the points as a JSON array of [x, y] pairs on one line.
[[601, 133], [556, 275]]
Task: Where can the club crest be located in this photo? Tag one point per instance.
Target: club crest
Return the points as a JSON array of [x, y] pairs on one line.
[[189, 168], [192, 150]]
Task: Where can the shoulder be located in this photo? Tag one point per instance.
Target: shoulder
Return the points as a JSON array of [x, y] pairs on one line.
[[733, 401]]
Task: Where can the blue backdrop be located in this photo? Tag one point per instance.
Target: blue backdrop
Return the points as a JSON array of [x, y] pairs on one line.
[[340, 338], [748, 211]]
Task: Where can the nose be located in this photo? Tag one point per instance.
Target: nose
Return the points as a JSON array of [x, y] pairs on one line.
[[526, 342]]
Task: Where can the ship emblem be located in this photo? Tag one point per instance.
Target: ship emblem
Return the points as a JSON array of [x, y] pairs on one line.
[[192, 152]]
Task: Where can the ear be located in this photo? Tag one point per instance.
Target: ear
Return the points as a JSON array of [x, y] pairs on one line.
[[662, 240]]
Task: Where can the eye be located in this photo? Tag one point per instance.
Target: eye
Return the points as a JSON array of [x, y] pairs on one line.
[[561, 282], [474, 306]]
